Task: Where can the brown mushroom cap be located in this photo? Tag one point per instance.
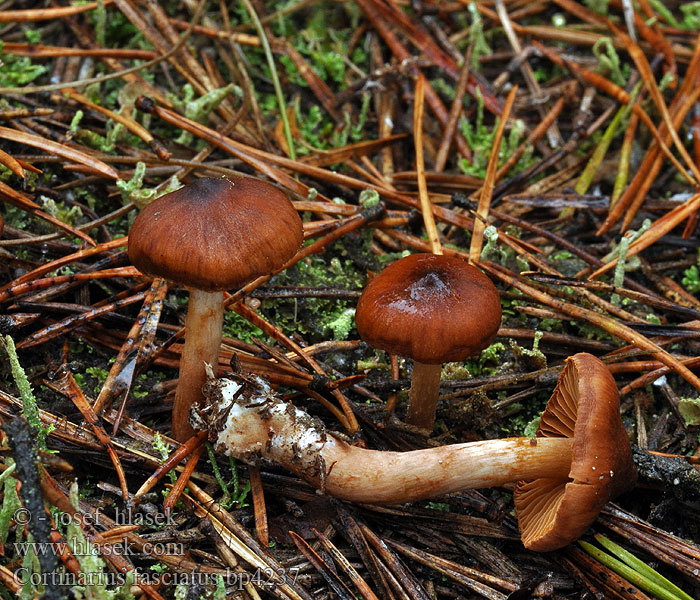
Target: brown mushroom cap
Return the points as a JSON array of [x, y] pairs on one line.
[[432, 308], [216, 234], [585, 406]]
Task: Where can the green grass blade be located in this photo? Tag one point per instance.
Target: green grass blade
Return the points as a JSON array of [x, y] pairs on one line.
[[628, 573], [640, 566]]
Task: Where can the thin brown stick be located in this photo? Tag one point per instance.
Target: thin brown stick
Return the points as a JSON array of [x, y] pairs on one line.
[[184, 478], [174, 459], [482, 211], [425, 204]]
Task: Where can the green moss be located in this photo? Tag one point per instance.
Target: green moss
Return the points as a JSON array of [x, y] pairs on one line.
[[488, 362], [10, 501], [314, 318], [134, 190], [609, 61], [691, 277], [689, 409], [17, 71], [480, 138], [477, 39], [598, 6], [161, 447], [93, 568], [30, 410], [238, 328], [342, 324], [691, 15]]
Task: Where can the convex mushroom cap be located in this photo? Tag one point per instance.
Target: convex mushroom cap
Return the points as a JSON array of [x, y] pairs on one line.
[[429, 307], [585, 407], [216, 234]]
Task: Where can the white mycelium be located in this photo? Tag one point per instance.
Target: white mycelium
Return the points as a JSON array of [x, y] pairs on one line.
[[254, 425]]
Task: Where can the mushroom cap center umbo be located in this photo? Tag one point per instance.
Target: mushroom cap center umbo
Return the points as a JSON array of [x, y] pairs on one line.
[[216, 234], [432, 308], [584, 406]]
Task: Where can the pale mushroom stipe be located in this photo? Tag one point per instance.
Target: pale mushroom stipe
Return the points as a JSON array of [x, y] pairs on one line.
[[431, 308], [210, 236], [582, 459]]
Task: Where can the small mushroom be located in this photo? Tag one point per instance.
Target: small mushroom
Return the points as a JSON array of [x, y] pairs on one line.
[[433, 309], [210, 236], [582, 460]]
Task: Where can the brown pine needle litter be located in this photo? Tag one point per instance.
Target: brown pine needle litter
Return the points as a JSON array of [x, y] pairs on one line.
[[554, 145]]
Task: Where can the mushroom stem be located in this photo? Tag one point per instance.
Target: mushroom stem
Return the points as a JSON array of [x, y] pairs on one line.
[[379, 477], [255, 426], [423, 397], [203, 323]]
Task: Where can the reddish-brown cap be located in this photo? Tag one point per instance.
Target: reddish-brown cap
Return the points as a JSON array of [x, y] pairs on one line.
[[431, 308], [585, 406], [216, 234]]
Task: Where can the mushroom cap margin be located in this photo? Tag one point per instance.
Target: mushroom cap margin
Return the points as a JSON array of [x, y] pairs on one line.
[[585, 405]]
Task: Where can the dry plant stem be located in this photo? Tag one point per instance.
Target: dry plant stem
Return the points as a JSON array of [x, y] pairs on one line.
[[455, 112], [553, 131], [659, 228], [482, 211], [205, 316], [52, 51], [11, 163], [121, 373], [32, 89], [181, 483], [423, 397], [425, 204], [400, 52], [642, 64], [65, 260], [46, 14], [23, 202], [130, 124], [80, 318], [262, 160], [621, 96], [679, 114], [190, 446], [346, 417], [55, 496], [652, 162], [533, 137], [259, 426]]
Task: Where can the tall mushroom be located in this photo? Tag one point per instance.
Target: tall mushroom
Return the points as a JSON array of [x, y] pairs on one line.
[[433, 309], [581, 461], [210, 236]]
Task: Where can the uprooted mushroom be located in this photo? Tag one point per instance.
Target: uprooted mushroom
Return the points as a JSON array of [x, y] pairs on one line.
[[580, 459]]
